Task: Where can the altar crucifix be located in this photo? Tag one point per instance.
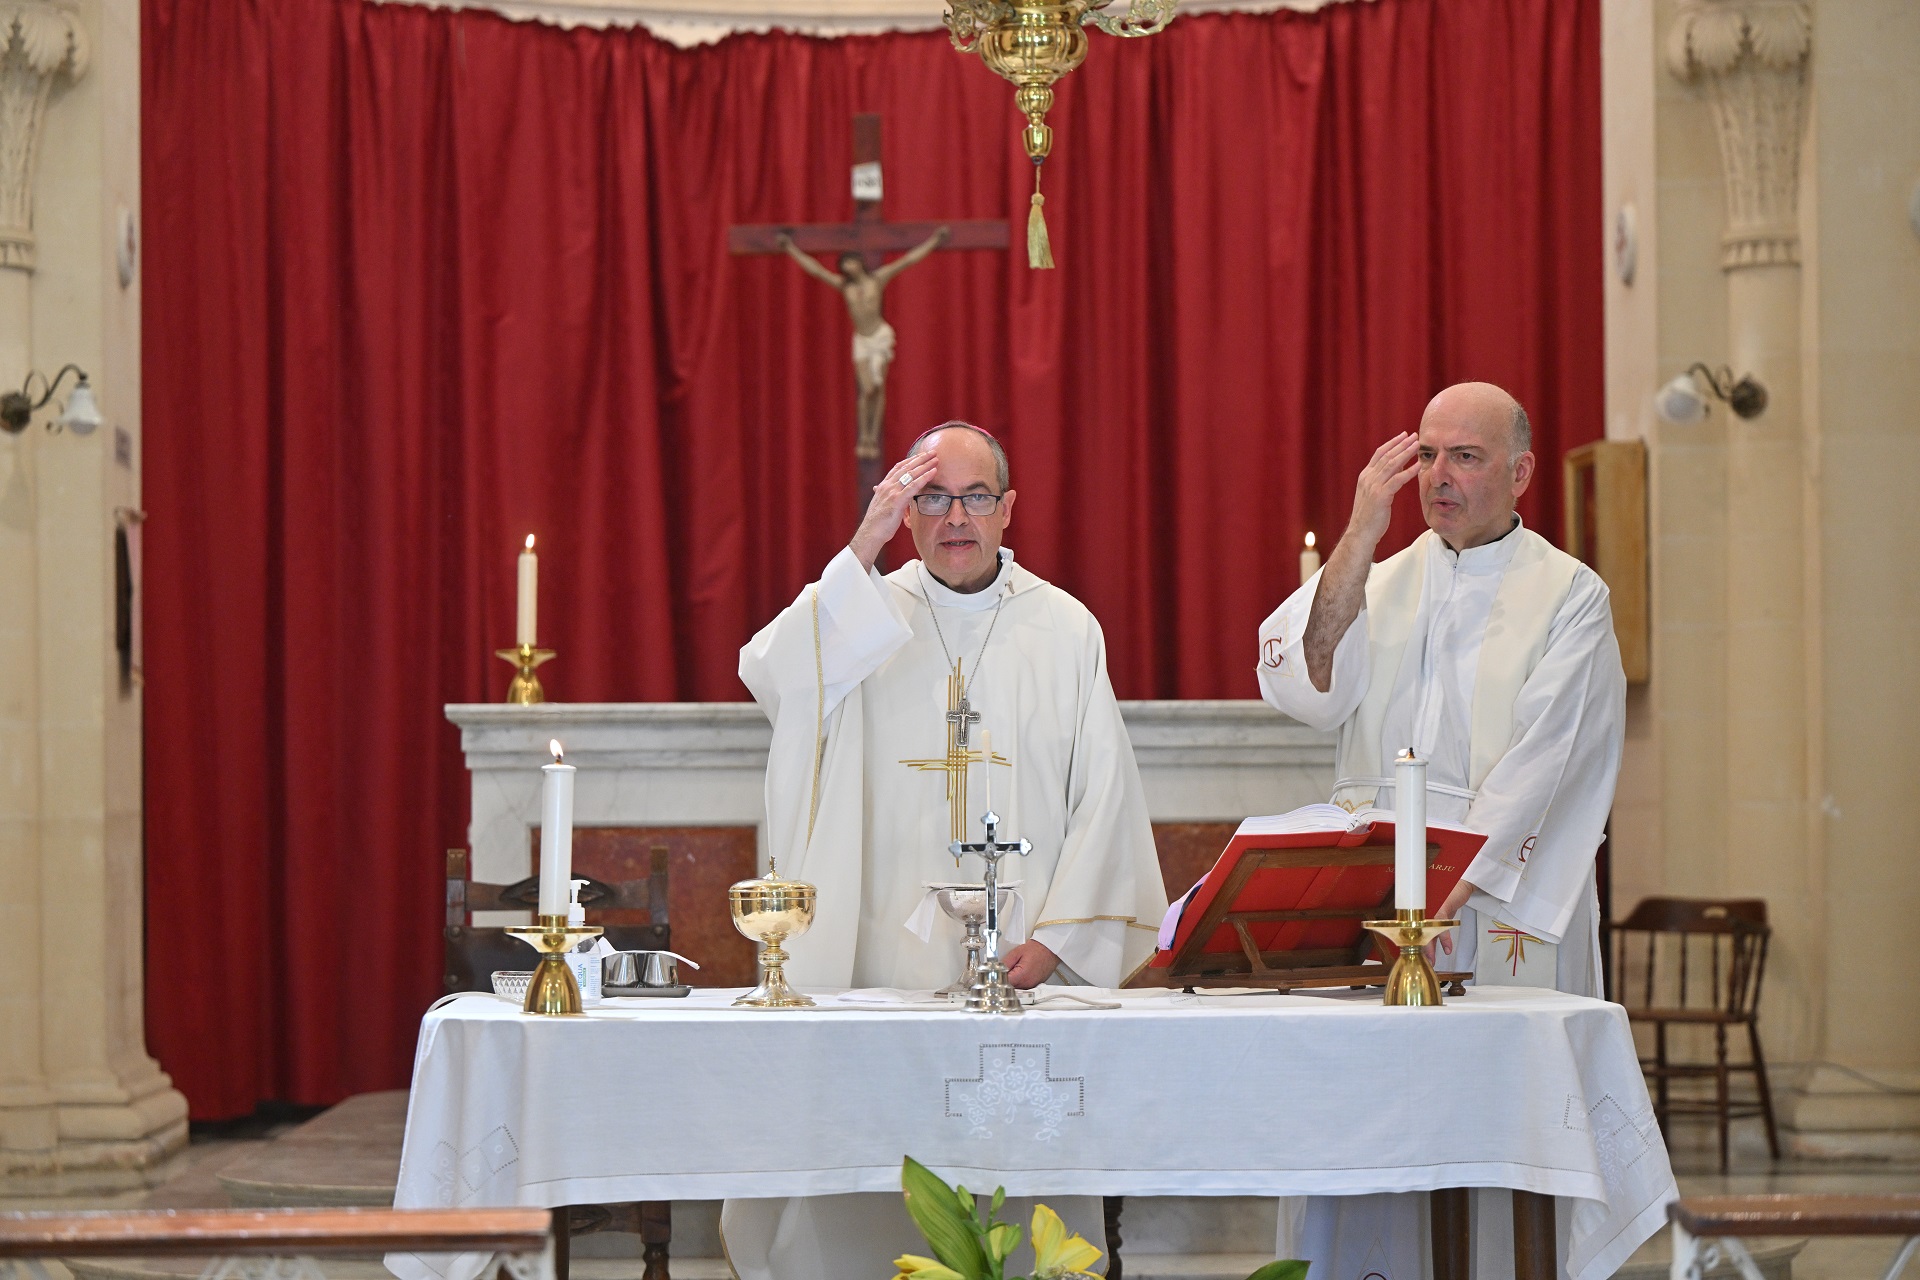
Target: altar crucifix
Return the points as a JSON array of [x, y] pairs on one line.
[[960, 755], [862, 275]]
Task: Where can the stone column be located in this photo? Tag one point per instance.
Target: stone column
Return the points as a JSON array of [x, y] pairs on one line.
[[82, 1105], [1751, 56]]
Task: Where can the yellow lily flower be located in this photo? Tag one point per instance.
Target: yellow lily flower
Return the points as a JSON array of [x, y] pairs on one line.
[[1055, 1253], [914, 1267]]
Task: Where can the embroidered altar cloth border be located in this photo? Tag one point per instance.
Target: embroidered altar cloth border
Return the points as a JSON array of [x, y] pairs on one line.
[[1171, 1094]]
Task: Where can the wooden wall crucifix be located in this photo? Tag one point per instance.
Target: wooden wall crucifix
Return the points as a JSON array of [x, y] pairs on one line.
[[861, 275]]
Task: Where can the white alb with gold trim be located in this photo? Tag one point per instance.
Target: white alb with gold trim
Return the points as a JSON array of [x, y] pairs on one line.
[[1092, 882]]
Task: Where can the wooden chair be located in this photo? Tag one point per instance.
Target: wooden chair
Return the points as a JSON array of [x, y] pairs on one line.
[[1688, 962], [474, 953]]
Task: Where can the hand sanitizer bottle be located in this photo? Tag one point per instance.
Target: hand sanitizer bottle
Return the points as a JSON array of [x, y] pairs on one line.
[[584, 959]]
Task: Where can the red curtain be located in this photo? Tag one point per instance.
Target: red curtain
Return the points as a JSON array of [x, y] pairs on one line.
[[419, 282]]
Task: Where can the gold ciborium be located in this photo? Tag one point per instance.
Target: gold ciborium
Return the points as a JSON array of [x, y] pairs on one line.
[[770, 911], [1411, 981]]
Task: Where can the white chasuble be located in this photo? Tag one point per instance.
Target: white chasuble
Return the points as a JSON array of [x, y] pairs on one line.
[[860, 712], [1499, 665]]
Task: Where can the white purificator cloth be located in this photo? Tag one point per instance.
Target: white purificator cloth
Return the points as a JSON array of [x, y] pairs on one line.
[[1328, 1095]]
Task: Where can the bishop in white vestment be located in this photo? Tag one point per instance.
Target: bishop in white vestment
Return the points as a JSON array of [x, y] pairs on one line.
[[879, 690], [1492, 655]]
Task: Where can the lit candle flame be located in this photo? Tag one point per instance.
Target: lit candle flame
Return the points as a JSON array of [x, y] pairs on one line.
[[1309, 540], [530, 541], [559, 756]]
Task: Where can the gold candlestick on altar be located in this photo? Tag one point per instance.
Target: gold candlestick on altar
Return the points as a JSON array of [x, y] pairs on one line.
[[552, 990], [1411, 981], [525, 689]]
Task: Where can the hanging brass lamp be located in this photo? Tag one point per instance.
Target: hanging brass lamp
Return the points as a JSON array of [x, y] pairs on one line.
[[1033, 43]]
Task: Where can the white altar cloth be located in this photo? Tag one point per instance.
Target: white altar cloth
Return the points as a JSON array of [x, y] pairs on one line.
[[1171, 1094]]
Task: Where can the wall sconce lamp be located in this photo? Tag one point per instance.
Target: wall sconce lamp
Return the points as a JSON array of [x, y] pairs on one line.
[[82, 415], [1683, 403]]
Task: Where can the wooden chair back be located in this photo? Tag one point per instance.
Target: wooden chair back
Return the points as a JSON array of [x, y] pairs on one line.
[[474, 953], [1690, 954]]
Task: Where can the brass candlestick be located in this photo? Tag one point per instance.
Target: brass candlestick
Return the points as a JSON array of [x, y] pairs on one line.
[[770, 911], [1411, 981], [552, 990], [525, 689]]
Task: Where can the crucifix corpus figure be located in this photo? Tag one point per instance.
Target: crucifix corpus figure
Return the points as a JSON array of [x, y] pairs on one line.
[[873, 337], [858, 249]]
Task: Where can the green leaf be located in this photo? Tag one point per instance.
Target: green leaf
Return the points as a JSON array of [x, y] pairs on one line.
[[935, 1209], [1284, 1269]]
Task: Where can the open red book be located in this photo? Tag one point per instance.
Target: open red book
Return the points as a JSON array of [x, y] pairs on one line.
[[1291, 890]]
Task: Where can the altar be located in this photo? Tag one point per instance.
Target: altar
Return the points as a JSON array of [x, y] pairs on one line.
[[1505, 1087], [704, 764]]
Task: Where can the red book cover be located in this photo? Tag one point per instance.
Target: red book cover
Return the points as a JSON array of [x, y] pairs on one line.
[[1358, 888]]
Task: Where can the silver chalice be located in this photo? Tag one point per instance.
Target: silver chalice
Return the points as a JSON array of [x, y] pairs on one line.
[[967, 903]]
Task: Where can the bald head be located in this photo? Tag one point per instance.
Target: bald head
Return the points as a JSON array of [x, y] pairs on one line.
[[1490, 407], [1476, 460]]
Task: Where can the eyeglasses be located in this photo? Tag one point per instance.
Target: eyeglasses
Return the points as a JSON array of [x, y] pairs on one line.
[[974, 504]]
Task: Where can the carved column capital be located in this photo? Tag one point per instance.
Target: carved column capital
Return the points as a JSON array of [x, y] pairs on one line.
[[1753, 57], [39, 40]]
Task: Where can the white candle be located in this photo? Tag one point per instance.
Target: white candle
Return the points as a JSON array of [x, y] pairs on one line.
[[1309, 560], [556, 833], [523, 631], [986, 751], [1409, 832]]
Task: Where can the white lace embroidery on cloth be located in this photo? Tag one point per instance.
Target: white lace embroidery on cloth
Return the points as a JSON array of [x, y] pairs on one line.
[[459, 1176], [1015, 1087]]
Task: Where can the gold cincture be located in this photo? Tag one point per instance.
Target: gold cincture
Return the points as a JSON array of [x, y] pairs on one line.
[[1411, 981], [1033, 43], [552, 990], [770, 911], [525, 689], [960, 718]]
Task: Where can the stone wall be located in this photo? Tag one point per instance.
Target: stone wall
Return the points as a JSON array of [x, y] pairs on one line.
[[1771, 754]]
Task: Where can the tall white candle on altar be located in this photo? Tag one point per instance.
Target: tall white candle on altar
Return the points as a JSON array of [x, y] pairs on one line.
[[1309, 560], [986, 752], [556, 833], [1409, 832], [523, 631]]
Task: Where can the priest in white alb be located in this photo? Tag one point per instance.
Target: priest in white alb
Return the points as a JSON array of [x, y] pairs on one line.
[[881, 691], [1492, 655]]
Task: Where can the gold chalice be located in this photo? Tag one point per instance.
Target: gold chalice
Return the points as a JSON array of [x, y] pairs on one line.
[[770, 911]]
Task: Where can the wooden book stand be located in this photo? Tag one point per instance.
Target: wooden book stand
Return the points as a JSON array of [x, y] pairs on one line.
[[1297, 930]]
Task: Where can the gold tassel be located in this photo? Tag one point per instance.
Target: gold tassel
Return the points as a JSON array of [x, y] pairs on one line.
[[1039, 250]]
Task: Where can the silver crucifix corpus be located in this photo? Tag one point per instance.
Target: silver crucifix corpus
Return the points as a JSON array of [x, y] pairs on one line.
[[990, 992], [962, 716]]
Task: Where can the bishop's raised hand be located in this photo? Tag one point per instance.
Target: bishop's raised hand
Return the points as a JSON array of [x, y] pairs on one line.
[[891, 498]]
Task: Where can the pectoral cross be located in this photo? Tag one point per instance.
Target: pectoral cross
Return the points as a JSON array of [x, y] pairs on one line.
[[960, 758]]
